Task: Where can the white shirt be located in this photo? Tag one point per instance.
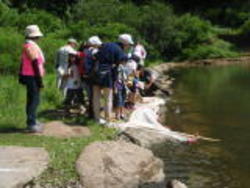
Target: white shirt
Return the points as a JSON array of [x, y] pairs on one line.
[[131, 66], [74, 79]]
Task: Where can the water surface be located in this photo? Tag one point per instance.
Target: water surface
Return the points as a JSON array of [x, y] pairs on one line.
[[215, 102]]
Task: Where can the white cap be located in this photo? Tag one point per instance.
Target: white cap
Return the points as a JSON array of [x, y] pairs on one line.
[[33, 31], [72, 40], [95, 40], [126, 39]]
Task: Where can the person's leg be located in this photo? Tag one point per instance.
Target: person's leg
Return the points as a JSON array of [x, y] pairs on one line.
[[91, 112], [33, 99], [89, 90], [108, 96], [123, 98], [69, 97], [79, 96], [96, 102], [116, 106]]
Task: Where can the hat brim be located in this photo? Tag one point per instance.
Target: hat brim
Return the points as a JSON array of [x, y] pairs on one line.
[[37, 34]]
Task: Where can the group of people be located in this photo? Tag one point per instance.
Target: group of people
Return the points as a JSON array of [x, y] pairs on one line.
[[112, 72]]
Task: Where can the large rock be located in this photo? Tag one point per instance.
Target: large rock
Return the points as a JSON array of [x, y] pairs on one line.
[[119, 165], [19, 165], [176, 184], [60, 130], [144, 137]]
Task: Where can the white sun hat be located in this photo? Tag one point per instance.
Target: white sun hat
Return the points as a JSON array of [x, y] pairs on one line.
[[33, 31], [95, 40], [126, 39]]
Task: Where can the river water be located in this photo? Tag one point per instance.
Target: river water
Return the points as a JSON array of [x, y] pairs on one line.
[[214, 102]]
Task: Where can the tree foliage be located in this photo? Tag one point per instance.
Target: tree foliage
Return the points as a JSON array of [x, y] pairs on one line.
[[165, 34]]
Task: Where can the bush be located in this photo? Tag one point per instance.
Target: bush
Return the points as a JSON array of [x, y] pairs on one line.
[[107, 32], [217, 49], [11, 46], [49, 44], [8, 17], [157, 26], [245, 28], [96, 11], [47, 22]]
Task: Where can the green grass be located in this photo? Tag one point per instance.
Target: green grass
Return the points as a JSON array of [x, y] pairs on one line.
[[63, 152]]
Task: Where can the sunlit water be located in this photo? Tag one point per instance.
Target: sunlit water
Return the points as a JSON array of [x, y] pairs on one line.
[[215, 102]]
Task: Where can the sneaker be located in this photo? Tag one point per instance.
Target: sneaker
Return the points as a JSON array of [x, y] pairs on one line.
[[38, 128]]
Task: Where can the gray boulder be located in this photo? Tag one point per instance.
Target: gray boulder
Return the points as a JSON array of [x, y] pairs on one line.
[[144, 137], [19, 165], [176, 184], [119, 165]]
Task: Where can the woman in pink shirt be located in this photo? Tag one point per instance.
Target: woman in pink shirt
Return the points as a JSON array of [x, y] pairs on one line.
[[31, 73]]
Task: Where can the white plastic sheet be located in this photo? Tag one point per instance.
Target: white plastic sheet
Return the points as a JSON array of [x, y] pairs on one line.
[[145, 115]]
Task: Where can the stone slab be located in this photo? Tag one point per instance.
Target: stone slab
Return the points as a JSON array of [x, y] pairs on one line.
[[59, 129], [19, 165]]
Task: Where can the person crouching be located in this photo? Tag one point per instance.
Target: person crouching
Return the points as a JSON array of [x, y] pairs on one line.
[[74, 93]]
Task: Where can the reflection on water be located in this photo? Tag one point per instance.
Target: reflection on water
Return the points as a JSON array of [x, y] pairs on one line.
[[215, 102]]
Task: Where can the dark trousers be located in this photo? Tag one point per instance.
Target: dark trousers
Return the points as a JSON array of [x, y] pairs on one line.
[[74, 97], [89, 88], [33, 99]]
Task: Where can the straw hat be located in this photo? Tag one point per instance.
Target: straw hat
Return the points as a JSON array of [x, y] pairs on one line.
[[95, 40], [126, 39], [33, 31]]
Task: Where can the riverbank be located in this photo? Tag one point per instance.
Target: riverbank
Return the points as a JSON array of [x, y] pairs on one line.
[[165, 67]]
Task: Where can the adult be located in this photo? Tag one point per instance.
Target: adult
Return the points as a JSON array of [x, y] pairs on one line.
[[93, 45], [31, 73], [109, 56], [140, 52], [62, 58]]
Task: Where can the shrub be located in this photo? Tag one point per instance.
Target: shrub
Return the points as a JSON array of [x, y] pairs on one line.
[[47, 22], [107, 32], [217, 49], [96, 11], [50, 45], [156, 25], [8, 17], [10, 44], [245, 28]]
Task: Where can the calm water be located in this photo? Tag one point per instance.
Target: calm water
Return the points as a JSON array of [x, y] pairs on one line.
[[215, 102]]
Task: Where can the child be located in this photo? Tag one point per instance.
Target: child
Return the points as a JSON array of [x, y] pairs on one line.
[[120, 91], [134, 90], [74, 93]]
